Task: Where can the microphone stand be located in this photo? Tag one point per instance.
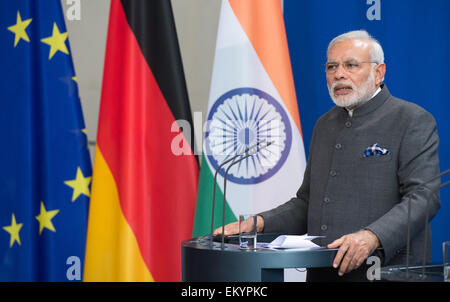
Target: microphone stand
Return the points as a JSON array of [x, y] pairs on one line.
[[225, 187], [422, 187], [215, 183]]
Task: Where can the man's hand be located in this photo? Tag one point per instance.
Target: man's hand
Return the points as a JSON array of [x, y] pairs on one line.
[[233, 228], [353, 250]]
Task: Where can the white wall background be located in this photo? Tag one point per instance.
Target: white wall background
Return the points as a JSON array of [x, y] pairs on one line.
[[196, 22]]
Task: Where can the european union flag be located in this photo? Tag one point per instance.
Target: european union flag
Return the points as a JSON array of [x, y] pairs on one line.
[[45, 169]]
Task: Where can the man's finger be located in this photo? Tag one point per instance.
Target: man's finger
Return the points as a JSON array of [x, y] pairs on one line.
[[358, 255], [230, 229], [353, 263], [218, 231], [337, 243], [341, 252], [346, 262]]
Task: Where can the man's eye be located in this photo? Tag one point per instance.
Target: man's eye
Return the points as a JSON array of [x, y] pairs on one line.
[[352, 65], [331, 67]]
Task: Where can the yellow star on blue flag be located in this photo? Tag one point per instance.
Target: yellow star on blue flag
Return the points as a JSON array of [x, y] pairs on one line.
[[13, 231], [19, 29], [45, 219], [57, 42]]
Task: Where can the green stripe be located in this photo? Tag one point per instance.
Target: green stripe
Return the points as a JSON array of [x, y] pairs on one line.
[[202, 222]]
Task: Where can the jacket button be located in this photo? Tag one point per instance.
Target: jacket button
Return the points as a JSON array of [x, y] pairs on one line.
[[348, 124], [333, 173], [338, 146], [324, 227], [326, 200]]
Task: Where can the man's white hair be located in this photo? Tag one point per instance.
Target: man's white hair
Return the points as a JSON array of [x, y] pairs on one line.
[[376, 52]]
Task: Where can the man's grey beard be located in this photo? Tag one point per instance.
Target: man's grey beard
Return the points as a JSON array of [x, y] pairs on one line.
[[360, 96]]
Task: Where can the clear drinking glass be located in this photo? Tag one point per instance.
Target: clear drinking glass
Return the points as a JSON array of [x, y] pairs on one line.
[[446, 258], [247, 231]]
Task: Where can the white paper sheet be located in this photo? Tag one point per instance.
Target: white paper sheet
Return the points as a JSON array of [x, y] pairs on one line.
[[294, 242]]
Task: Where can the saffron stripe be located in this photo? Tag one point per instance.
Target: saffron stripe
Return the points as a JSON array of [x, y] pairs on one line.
[[263, 30]]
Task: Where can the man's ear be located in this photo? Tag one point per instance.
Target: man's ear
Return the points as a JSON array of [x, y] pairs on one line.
[[380, 71]]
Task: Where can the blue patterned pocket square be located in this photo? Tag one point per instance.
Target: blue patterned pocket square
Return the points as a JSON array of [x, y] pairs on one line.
[[375, 150]]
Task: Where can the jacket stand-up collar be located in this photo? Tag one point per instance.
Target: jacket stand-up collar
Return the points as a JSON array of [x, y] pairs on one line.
[[372, 104]]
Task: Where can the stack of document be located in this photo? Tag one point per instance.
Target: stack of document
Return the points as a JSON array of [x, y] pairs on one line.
[[292, 242]]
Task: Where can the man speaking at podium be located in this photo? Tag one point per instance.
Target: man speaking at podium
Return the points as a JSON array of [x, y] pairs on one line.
[[368, 155]]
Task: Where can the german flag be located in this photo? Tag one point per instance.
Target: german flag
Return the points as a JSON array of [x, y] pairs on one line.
[[143, 191]]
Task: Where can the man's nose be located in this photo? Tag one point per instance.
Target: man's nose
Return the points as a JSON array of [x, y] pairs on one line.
[[340, 73]]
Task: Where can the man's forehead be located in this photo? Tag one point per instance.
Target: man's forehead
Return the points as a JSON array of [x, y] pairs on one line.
[[350, 49]]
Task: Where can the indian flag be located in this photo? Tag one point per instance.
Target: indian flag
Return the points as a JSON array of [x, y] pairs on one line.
[[252, 99]]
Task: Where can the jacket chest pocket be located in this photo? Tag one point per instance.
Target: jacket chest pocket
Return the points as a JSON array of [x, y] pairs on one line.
[[375, 159]]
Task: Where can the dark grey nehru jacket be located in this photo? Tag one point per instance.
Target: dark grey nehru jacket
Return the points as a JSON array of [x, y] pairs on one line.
[[344, 192]]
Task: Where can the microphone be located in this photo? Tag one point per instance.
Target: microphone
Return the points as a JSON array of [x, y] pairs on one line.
[[215, 182], [422, 187], [225, 185]]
